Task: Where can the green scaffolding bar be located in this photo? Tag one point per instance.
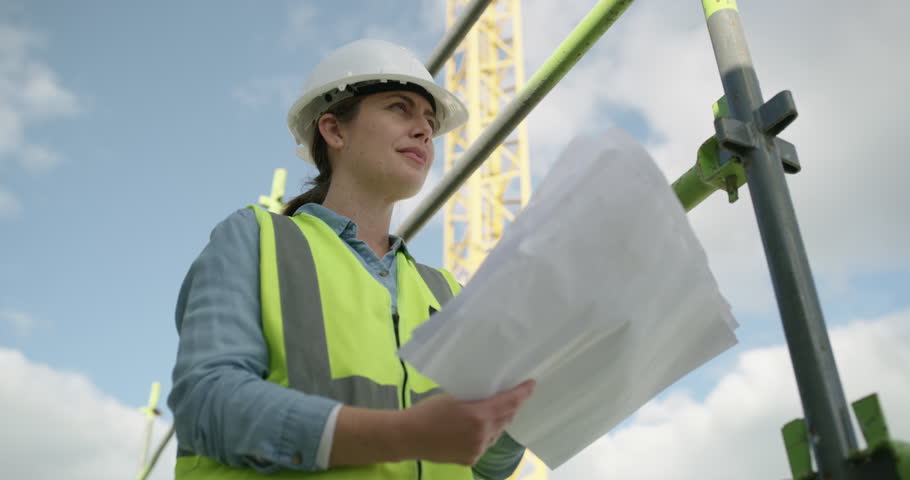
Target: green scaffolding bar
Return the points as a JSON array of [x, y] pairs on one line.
[[872, 424], [709, 175], [796, 441], [582, 38]]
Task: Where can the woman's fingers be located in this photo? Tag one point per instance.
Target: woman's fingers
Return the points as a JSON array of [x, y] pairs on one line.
[[452, 431], [505, 406], [506, 403]]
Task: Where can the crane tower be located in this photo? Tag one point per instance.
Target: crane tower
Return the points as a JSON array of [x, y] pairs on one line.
[[486, 71]]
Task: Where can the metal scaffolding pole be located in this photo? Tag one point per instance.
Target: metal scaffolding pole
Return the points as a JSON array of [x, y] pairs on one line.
[[749, 133], [455, 35], [582, 38]]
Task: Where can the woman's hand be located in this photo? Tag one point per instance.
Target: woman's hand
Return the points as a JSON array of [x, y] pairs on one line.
[[445, 430], [439, 429]]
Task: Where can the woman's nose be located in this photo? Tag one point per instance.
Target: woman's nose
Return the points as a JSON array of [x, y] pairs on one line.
[[424, 129]]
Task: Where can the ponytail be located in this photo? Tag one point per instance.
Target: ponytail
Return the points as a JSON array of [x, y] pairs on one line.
[[320, 184], [345, 111]]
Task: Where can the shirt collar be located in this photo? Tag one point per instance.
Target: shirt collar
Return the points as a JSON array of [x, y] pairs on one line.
[[345, 228]]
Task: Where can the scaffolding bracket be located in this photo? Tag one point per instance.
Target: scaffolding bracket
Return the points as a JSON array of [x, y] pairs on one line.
[[883, 458], [771, 119], [718, 165]]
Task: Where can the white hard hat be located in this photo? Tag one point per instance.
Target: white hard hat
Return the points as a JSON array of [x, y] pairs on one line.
[[366, 62]]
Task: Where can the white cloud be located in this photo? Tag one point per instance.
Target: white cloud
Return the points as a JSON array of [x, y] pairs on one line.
[[308, 33], [657, 61], [38, 159], [735, 431], [317, 32], [11, 130], [21, 322], [269, 91], [301, 34], [411, 30], [300, 30], [9, 204], [42, 95], [58, 425], [732, 433], [29, 92]]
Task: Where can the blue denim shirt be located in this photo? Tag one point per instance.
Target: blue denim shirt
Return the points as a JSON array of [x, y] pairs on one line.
[[223, 408]]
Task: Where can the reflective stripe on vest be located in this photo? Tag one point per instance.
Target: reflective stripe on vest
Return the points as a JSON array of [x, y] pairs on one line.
[[324, 341], [305, 345]]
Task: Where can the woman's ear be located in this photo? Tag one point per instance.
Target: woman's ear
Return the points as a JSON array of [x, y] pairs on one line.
[[330, 129]]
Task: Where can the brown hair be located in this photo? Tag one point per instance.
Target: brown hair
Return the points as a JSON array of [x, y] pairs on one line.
[[345, 110]]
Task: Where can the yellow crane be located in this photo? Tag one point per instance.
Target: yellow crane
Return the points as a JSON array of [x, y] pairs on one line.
[[485, 72]]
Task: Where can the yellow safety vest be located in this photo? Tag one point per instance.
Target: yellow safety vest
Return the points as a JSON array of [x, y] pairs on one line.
[[330, 332]]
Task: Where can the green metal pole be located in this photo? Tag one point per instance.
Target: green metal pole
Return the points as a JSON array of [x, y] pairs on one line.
[[273, 202], [147, 469], [691, 190], [872, 424], [591, 28], [796, 442], [710, 173]]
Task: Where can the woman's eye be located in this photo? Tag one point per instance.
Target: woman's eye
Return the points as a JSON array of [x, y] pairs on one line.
[[400, 106]]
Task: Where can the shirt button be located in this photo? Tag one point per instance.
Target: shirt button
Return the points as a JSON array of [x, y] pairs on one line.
[[296, 460], [384, 273]]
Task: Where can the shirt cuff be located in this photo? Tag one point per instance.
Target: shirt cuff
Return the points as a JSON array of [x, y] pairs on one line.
[[324, 452], [303, 430]]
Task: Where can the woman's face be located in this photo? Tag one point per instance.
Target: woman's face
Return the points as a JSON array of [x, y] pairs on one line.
[[388, 146]]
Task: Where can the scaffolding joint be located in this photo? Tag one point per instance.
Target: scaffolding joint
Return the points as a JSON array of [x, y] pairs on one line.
[[736, 137]]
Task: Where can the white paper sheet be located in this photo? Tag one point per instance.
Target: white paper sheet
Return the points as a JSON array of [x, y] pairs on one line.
[[599, 290]]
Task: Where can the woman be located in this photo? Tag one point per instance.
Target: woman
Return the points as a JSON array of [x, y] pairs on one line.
[[289, 324]]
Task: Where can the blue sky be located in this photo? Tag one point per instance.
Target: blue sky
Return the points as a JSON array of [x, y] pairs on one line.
[[128, 130]]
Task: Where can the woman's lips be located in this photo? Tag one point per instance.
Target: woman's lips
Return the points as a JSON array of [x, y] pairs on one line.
[[416, 154]]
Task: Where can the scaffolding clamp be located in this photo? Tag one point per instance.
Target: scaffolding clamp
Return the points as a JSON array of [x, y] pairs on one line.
[[883, 458], [771, 118]]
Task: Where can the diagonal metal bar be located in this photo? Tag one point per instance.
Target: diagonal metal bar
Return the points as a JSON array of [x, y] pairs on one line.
[[582, 38], [455, 35]]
